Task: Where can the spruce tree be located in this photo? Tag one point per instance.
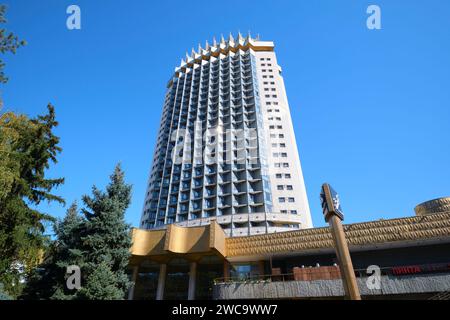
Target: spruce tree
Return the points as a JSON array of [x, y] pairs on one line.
[[68, 251], [48, 281], [106, 240]]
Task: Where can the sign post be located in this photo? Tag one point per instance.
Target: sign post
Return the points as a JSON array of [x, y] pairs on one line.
[[333, 214]]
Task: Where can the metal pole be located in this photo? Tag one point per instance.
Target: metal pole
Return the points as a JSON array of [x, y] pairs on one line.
[[348, 275]]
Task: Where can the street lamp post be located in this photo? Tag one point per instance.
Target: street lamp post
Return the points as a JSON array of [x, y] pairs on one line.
[[333, 215]]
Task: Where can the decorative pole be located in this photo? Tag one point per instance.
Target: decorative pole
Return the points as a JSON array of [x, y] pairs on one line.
[[333, 215]]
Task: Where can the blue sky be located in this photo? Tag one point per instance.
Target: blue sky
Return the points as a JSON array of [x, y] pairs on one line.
[[371, 109]]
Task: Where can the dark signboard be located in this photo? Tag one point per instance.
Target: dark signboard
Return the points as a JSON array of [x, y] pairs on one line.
[[331, 203]]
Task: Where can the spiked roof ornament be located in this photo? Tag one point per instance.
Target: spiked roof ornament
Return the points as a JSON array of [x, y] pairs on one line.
[[222, 39], [207, 45], [214, 41]]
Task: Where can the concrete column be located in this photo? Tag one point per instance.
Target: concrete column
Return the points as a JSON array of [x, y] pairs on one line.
[[192, 280], [261, 268], [133, 282], [161, 281], [226, 270]]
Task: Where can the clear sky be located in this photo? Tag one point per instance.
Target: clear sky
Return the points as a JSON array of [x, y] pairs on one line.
[[371, 108]]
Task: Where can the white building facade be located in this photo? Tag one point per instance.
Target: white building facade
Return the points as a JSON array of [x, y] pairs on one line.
[[226, 148]]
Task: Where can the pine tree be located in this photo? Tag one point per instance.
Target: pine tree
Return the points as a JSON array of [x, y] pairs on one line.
[[27, 147], [106, 241], [102, 284], [9, 42], [48, 281], [68, 251]]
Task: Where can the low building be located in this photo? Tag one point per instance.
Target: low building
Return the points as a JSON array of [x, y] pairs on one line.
[[411, 256]]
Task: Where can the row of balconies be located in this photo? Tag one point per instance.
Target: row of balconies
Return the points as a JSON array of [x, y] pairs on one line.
[[253, 220], [244, 77]]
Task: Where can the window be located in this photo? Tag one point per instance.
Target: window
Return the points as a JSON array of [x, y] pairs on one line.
[[289, 187], [272, 135], [281, 200], [285, 165], [291, 199], [282, 145], [287, 175], [280, 187], [278, 118], [279, 127], [277, 165], [284, 154], [293, 211], [283, 211], [267, 95], [275, 154], [278, 175], [274, 145], [273, 89], [274, 96], [281, 135], [271, 127]]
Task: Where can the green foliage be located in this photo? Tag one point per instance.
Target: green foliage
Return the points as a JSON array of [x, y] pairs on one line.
[[98, 243], [3, 295], [107, 239], [27, 147], [9, 42], [102, 284], [48, 281]]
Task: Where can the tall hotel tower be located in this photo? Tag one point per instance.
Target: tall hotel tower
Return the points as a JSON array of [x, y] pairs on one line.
[[226, 147]]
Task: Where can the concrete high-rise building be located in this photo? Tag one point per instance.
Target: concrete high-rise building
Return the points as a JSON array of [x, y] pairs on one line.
[[226, 148]]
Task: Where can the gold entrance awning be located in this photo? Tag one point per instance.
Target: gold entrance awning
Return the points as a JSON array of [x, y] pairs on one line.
[[191, 243]]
